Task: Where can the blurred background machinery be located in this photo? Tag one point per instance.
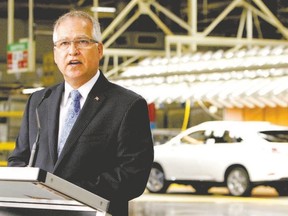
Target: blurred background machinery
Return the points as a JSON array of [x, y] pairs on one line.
[[193, 60]]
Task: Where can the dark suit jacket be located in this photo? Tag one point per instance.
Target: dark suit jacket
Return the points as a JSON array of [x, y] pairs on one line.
[[109, 150]]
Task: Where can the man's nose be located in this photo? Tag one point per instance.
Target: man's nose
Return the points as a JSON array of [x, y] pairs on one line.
[[73, 50]]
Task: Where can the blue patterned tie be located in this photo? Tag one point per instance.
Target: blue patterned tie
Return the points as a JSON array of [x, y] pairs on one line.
[[73, 111]]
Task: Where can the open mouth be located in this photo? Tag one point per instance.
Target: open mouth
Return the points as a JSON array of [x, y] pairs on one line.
[[74, 62]]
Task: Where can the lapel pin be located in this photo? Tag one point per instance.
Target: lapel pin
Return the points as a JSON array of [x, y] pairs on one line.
[[97, 98]]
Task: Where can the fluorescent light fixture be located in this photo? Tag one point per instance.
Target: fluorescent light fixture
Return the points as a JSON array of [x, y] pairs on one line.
[[103, 9]]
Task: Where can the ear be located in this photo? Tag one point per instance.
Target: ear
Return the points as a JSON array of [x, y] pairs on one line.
[[100, 50], [54, 54]]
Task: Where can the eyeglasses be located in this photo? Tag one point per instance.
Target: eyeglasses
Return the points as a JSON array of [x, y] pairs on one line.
[[79, 43]]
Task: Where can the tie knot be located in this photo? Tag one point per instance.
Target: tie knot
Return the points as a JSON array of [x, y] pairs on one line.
[[75, 95]]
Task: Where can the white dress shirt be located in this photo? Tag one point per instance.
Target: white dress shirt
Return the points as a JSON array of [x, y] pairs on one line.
[[66, 100]]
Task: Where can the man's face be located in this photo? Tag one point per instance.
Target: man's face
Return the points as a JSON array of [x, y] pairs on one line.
[[77, 64]]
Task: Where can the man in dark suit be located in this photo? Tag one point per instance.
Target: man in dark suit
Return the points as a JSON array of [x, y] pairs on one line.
[[109, 150]]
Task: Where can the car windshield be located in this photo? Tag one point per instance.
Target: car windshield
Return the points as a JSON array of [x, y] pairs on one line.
[[275, 136], [210, 136]]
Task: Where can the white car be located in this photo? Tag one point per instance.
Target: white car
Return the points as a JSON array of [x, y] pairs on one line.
[[236, 154]]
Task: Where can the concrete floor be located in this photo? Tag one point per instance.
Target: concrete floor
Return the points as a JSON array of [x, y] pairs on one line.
[[182, 201]]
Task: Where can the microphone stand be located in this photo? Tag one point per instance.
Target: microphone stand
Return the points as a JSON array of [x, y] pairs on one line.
[[36, 143]]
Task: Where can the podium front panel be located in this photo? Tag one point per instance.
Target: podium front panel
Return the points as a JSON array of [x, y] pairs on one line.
[[34, 189], [12, 211]]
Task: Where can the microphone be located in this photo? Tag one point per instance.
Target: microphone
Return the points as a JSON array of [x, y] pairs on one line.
[[36, 143]]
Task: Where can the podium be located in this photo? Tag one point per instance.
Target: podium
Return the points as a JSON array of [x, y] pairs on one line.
[[29, 191]]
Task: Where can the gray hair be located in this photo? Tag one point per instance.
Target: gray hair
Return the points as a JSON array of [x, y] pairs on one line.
[[96, 34]]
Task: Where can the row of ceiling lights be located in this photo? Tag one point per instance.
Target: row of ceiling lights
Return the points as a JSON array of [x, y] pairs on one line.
[[250, 93], [220, 61], [263, 83]]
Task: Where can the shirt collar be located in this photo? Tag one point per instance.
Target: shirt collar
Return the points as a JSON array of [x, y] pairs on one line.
[[84, 89]]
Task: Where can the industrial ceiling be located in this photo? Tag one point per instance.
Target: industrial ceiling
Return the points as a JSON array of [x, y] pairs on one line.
[[207, 10], [217, 23]]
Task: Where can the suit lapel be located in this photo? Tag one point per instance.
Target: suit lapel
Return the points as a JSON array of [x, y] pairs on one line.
[[53, 120], [91, 107]]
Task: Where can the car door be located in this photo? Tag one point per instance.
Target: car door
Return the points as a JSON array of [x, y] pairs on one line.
[[184, 155], [221, 150]]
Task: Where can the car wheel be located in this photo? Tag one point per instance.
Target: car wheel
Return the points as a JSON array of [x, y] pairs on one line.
[[201, 188], [238, 182], [156, 182]]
